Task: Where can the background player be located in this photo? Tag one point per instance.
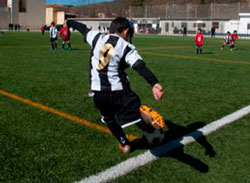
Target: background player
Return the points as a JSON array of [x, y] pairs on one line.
[[234, 37], [199, 40], [111, 55], [53, 36], [227, 40], [131, 30], [65, 35]]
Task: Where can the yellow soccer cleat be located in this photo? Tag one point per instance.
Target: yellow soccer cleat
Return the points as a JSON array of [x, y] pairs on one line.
[[152, 117]]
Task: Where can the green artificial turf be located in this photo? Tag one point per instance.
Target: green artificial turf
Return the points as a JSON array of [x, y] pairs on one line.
[[40, 147]]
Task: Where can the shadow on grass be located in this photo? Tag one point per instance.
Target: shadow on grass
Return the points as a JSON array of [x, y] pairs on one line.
[[207, 53], [172, 146]]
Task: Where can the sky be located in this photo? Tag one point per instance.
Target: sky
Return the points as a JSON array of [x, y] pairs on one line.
[[75, 2]]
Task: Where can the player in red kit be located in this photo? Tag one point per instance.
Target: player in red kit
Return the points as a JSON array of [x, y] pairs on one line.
[[65, 35], [234, 37], [199, 40]]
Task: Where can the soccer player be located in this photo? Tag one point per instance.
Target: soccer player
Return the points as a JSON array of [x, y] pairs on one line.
[[131, 29], [65, 35], [234, 37], [227, 40], [199, 40], [111, 54], [42, 28], [53, 36]]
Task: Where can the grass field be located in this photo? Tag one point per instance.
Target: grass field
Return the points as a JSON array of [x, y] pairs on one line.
[[41, 147]]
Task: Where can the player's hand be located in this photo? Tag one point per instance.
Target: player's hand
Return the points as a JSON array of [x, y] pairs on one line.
[[157, 91]]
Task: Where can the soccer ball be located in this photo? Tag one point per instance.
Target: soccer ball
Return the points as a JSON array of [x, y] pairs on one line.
[[154, 137]]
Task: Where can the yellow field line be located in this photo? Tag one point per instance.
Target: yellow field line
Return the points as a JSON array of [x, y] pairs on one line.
[[195, 58], [59, 113]]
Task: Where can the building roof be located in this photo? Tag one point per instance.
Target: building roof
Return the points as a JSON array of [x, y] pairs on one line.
[[66, 9]]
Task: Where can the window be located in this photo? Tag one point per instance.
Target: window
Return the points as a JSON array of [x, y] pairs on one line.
[[22, 5], [194, 25], [215, 25], [183, 24], [201, 25], [248, 26]]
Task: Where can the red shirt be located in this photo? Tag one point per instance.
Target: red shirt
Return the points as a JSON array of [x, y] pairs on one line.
[[234, 37], [64, 33], [199, 39]]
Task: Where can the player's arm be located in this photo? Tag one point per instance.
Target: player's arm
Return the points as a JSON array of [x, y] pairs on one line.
[[80, 27], [141, 68]]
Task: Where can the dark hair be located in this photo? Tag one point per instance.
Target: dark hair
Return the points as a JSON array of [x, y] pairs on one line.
[[199, 29], [228, 32], [53, 23], [118, 25]]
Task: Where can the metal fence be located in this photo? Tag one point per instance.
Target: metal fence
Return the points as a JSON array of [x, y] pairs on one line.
[[191, 11]]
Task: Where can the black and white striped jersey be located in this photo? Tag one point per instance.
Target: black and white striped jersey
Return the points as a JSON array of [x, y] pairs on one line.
[[110, 56], [53, 32]]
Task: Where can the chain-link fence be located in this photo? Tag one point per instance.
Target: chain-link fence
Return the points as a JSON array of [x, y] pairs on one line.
[[179, 18], [191, 11]]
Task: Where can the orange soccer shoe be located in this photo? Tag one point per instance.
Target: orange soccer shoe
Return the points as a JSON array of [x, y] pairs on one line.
[[152, 117], [124, 149]]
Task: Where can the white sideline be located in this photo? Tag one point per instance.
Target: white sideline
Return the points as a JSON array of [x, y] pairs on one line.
[[131, 164]]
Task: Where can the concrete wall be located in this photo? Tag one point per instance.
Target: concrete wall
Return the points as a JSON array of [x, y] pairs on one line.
[[60, 17], [49, 16], [95, 24], [192, 26], [34, 17], [5, 17], [244, 21]]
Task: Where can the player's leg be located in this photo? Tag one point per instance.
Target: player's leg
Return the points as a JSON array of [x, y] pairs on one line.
[[233, 45], [106, 103], [63, 45], [223, 45], [197, 49], [69, 45], [56, 44], [52, 43], [200, 49]]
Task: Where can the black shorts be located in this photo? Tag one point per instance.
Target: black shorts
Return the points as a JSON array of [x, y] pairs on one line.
[[53, 39], [121, 107]]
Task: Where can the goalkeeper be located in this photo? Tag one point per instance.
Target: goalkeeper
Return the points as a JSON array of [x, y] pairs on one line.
[[111, 54]]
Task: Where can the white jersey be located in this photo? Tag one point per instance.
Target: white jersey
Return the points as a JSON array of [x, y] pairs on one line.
[[228, 39], [110, 56], [53, 32]]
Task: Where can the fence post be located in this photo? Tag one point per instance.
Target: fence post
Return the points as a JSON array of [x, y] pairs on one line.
[[166, 11], [211, 11], [129, 11], [239, 8]]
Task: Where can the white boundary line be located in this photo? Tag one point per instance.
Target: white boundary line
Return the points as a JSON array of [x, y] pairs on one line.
[[133, 163]]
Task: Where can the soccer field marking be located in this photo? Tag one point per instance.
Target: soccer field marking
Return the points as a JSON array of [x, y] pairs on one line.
[[60, 113], [149, 156], [162, 48], [196, 58]]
